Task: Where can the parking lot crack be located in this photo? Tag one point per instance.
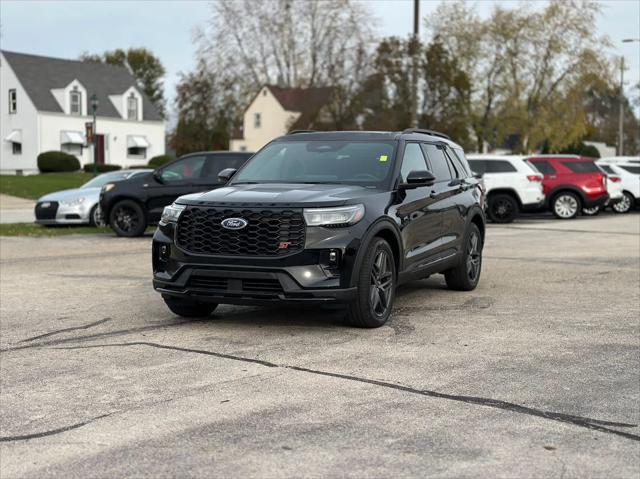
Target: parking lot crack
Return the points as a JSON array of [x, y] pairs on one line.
[[584, 422], [65, 330], [51, 432]]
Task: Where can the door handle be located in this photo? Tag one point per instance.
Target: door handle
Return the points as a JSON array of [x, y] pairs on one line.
[[433, 194]]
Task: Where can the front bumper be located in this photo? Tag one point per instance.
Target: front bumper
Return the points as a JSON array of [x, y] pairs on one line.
[[65, 215]]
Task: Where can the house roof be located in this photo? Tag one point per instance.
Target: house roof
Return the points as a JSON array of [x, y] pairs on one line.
[[39, 75], [307, 101]]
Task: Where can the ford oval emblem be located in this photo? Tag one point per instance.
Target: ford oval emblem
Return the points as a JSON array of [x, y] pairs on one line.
[[234, 223]]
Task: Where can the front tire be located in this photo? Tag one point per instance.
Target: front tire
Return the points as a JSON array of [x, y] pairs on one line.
[[565, 205], [624, 205], [376, 287], [502, 208], [466, 275], [95, 217], [127, 219], [189, 309]]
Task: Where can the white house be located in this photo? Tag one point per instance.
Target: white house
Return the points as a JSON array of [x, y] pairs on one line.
[[274, 111], [46, 102]]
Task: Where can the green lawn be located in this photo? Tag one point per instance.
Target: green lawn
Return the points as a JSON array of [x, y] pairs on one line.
[[29, 229], [34, 186]]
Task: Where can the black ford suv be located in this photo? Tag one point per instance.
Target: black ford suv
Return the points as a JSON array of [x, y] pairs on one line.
[[331, 217], [128, 206]]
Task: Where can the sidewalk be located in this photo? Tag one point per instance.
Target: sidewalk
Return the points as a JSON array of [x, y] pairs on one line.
[[16, 210]]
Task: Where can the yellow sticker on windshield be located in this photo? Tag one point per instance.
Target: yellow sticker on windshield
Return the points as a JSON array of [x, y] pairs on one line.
[[383, 157]]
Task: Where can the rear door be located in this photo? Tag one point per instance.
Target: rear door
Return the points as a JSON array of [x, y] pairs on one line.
[[178, 178], [419, 213], [215, 163]]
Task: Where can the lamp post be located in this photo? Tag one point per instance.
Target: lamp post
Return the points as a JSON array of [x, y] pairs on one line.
[[94, 107], [621, 117]]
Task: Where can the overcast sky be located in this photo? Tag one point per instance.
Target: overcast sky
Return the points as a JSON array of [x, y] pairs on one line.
[[67, 28]]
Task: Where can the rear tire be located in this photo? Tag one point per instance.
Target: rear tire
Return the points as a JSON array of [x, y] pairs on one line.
[[189, 309], [466, 275], [502, 208], [591, 211], [127, 219], [376, 287], [625, 204], [565, 205]]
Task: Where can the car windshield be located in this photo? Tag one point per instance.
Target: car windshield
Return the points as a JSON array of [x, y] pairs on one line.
[[101, 180], [366, 163]]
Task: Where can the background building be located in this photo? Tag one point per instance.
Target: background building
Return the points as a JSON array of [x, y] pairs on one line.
[[46, 102], [274, 111]]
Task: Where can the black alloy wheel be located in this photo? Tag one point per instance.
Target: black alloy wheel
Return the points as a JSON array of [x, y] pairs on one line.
[[127, 219], [503, 208]]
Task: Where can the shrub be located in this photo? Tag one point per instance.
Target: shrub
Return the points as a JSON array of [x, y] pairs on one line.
[[57, 161], [88, 168], [138, 167], [160, 160]]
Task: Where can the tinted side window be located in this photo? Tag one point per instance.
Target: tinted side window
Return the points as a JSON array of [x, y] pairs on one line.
[[500, 166], [607, 169], [186, 169], [460, 160], [544, 167], [478, 166], [217, 163], [581, 166], [438, 162], [413, 160], [631, 169]]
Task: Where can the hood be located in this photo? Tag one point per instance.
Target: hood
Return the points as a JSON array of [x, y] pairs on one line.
[[66, 195], [284, 194]]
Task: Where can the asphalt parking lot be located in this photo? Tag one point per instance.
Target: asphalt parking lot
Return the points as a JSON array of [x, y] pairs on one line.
[[534, 374]]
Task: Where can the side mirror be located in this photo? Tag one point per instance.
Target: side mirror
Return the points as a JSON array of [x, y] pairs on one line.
[[157, 175], [226, 174], [418, 178]]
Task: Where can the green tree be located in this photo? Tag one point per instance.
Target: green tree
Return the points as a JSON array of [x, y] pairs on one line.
[[145, 66]]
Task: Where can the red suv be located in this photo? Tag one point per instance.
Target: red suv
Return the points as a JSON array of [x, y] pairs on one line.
[[570, 183]]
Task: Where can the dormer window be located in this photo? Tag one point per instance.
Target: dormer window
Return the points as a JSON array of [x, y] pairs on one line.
[[132, 107], [75, 102]]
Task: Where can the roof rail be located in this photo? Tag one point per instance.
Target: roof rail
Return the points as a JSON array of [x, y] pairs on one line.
[[426, 132], [295, 132]]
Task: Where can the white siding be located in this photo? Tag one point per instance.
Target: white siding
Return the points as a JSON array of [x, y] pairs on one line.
[[275, 121], [24, 120]]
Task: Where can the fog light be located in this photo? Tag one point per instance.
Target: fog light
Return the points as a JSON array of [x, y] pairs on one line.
[[164, 252], [333, 257]]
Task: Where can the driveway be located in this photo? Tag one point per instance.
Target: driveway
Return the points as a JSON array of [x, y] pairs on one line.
[[533, 374], [16, 210]]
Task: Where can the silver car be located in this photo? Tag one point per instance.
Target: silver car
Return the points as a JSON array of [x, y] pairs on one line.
[[79, 205]]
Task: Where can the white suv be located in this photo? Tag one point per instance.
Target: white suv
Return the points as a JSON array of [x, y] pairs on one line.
[[512, 183], [628, 169]]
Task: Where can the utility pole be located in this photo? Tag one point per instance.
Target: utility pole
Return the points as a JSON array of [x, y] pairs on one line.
[[621, 119], [414, 66]]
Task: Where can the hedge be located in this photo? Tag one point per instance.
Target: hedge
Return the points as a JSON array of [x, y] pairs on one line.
[[138, 167], [160, 160], [100, 168], [57, 161]]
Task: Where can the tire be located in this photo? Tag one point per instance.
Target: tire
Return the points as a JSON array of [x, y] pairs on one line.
[[624, 205], [591, 211], [189, 309], [466, 275], [95, 217], [566, 205], [502, 208], [376, 287], [127, 219]]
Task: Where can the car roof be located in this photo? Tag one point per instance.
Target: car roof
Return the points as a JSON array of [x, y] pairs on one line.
[[620, 159], [485, 156], [366, 135]]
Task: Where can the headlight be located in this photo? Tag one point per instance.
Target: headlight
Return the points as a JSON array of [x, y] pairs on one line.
[[170, 214], [108, 187], [341, 216], [74, 202]]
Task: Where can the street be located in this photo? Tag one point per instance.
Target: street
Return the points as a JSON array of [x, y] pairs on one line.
[[533, 374]]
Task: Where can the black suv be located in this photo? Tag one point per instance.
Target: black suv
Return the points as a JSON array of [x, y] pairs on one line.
[[130, 205], [331, 217]]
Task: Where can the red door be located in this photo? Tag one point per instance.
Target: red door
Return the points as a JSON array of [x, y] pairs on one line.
[[100, 149]]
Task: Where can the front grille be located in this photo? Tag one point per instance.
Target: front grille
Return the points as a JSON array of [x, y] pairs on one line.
[[46, 213], [208, 282], [271, 232], [262, 285]]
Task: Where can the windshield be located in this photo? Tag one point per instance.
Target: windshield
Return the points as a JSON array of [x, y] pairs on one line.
[[366, 163], [101, 180]]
